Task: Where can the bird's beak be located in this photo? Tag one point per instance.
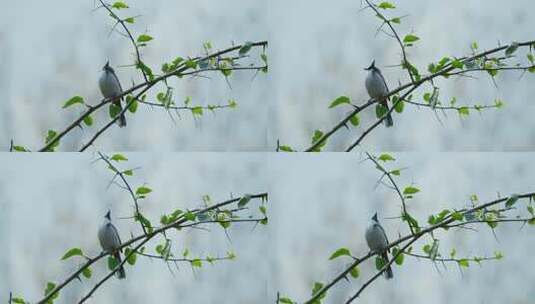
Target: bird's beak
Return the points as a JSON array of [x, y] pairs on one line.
[[107, 65], [108, 215]]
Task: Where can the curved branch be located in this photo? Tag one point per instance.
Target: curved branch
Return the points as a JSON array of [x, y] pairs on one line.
[[444, 72], [426, 230], [180, 71], [145, 237]]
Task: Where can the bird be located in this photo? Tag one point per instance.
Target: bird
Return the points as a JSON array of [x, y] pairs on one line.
[[110, 242], [378, 242], [110, 87], [377, 89]]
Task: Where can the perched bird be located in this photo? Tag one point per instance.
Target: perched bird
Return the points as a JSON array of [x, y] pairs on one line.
[[377, 241], [110, 241], [111, 87], [377, 89]]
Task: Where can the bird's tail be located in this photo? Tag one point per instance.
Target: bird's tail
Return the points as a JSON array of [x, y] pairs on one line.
[[120, 272], [122, 120], [389, 122], [388, 272]]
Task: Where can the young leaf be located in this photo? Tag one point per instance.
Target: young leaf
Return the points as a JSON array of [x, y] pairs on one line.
[[511, 201], [72, 252], [118, 157], [340, 100], [245, 48], [340, 252], [73, 101], [386, 157], [87, 272], [386, 5], [410, 39], [119, 5], [143, 190], [355, 272], [144, 38], [410, 190]]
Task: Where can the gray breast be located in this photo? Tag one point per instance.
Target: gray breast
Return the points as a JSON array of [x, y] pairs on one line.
[[375, 85], [109, 86]]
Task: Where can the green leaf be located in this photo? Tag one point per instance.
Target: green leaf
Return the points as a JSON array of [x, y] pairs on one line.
[[409, 39], [72, 252], [88, 120], [511, 201], [285, 300], [133, 104], [457, 64], [114, 110], [355, 120], [87, 272], [411, 221], [318, 134], [119, 5], [410, 190], [386, 5], [112, 262], [340, 100], [379, 263], [244, 200], [399, 106], [316, 288], [49, 287], [245, 48], [196, 263], [531, 221], [396, 20], [131, 256], [340, 252], [197, 111], [380, 110], [73, 101], [463, 263], [144, 38], [128, 172], [119, 157], [463, 111], [143, 190], [20, 149], [286, 149], [144, 221], [400, 257], [17, 300], [458, 216], [50, 136], [355, 272], [130, 20], [386, 157], [511, 49]]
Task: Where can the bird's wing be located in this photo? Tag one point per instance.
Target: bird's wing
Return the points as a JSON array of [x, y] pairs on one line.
[[116, 234], [116, 79], [384, 233], [383, 79]]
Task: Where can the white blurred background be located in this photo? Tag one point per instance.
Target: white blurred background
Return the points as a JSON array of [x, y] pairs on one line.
[[320, 48], [324, 202], [318, 203], [51, 51], [49, 204]]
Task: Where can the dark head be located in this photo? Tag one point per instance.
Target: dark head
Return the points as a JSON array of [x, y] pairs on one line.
[[374, 218], [371, 67], [107, 66], [108, 215]]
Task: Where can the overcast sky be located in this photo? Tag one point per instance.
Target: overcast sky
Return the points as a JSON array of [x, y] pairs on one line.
[[317, 52], [318, 203]]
